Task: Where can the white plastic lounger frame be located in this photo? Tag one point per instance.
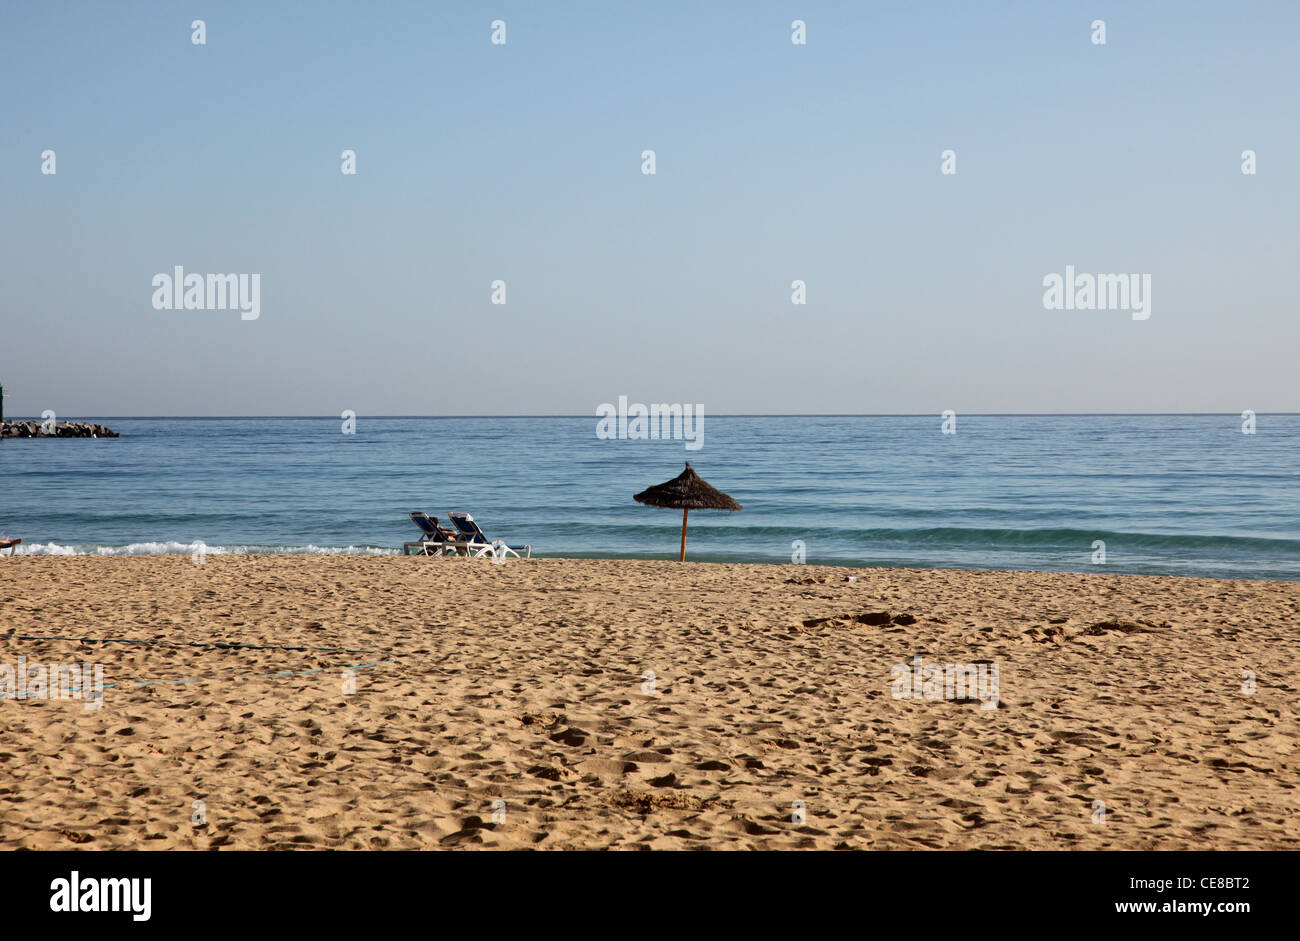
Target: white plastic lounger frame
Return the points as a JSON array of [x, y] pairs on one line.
[[494, 549]]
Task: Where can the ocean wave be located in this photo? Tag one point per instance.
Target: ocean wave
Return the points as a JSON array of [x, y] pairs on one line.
[[181, 548]]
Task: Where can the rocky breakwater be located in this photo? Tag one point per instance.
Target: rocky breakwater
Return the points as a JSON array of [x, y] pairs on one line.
[[63, 429]]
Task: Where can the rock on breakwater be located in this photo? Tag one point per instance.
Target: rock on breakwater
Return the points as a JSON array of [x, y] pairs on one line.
[[63, 429]]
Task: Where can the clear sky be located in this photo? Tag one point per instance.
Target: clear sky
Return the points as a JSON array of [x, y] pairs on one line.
[[775, 162]]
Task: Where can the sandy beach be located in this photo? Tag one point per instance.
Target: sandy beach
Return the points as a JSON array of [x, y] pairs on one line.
[[524, 690]]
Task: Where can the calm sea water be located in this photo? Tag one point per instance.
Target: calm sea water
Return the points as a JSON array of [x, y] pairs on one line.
[[1182, 495]]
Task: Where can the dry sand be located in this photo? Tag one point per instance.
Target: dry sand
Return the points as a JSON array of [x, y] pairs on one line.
[[523, 683]]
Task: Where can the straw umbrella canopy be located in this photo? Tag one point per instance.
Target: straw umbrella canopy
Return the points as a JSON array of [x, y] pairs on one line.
[[686, 492]]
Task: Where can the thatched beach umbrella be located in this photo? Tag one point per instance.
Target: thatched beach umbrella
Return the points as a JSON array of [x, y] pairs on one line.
[[686, 492]]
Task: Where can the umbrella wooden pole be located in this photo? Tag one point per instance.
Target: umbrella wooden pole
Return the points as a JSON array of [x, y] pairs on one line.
[[684, 512]]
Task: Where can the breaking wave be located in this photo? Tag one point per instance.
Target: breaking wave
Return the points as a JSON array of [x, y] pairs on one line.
[[182, 548]]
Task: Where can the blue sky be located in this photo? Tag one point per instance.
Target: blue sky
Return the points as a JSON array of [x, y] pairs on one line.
[[775, 162]]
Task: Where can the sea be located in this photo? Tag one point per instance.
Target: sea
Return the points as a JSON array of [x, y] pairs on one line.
[[1190, 495]]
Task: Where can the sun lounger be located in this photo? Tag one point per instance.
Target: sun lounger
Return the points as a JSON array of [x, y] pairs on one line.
[[478, 542], [434, 540]]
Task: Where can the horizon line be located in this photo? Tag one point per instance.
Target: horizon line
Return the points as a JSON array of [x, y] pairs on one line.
[[332, 417]]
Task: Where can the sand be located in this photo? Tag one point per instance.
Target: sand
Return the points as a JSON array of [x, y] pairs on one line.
[[521, 689]]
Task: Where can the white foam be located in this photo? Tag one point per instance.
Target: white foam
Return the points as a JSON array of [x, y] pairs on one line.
[[181, 548]]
